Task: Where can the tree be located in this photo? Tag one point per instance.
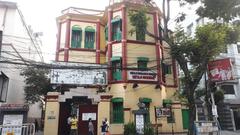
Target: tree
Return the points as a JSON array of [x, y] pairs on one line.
[[209, 41], [37, 84], [218, 9]]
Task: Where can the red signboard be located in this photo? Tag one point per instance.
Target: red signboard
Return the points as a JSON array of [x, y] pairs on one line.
[[220, 70]]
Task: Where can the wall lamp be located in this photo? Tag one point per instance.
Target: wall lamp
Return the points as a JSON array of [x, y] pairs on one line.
[[158, 86], [135, 85]]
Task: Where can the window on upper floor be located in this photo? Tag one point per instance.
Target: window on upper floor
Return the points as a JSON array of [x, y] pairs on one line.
[[117, 29], [89, 37], [167, 68], [106, 33], [76, 37], [238, 48], [142, 63], [228, 89], [116, 68], [117, 110]]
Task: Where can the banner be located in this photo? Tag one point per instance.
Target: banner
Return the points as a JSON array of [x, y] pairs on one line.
[[142, 75], [220, 70], [81, 76]]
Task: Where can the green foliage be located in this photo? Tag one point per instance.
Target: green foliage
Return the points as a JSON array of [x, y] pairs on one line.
[[148, 129], [209, 41], [130, 129], [218, 96], [200, 93], [180, 96], [139, 20], [218, 9], [37, 84]]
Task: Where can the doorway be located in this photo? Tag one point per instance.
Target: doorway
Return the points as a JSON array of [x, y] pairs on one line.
[[236, 114], [86, 112]]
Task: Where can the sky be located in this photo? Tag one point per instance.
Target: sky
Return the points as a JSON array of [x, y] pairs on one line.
[[41, 15]]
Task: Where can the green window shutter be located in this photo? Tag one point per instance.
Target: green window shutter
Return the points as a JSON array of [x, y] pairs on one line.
[[116, 67], [185, 118], [147, 102], [142, 62], [89, 40], [76, 37], [118, 99], [117, 29], [167, 102], [89, 37], [117, 115]]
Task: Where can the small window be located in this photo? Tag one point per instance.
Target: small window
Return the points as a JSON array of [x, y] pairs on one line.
[[147, 102], [228, 89], [171, 118], [89, 37], [116, 68], [167, 69], [142, 63], [117, 110], [76, 37], [117, 29], [238, 48]]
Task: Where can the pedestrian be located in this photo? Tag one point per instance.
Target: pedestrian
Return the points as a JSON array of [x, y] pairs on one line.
[[90, 127], [107, 127], [107, 123], [73, 125], [103, 128], [36, 125]]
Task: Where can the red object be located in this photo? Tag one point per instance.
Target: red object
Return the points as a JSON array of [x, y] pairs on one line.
[[220, 70]]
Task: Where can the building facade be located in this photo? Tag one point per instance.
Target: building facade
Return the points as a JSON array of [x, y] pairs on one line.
[[139, 68], [18, 46]]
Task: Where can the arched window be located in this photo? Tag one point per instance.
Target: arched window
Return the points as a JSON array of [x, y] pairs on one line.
[[89, 37], [76, 37]]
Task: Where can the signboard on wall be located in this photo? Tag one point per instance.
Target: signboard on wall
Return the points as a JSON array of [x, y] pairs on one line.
[[12, 120], [142, 75], [162, 112], [220, 70], [206, 126], [139, 124], [82, 74], [86, 116]]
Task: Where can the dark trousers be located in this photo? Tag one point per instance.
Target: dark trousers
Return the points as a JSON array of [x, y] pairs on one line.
[[73, 132]]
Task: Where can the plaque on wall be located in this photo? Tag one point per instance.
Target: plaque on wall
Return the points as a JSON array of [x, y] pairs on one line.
[[86, 116]]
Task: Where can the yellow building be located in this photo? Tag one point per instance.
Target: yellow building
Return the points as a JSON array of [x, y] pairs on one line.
[[140, 67]]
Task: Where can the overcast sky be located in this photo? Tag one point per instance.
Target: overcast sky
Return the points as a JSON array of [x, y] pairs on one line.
[[41, 15]]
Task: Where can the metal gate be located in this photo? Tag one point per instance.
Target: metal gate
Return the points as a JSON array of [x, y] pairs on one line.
[[25, 129]]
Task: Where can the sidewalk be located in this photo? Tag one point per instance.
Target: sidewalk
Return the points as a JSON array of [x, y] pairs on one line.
[[230, 132]]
